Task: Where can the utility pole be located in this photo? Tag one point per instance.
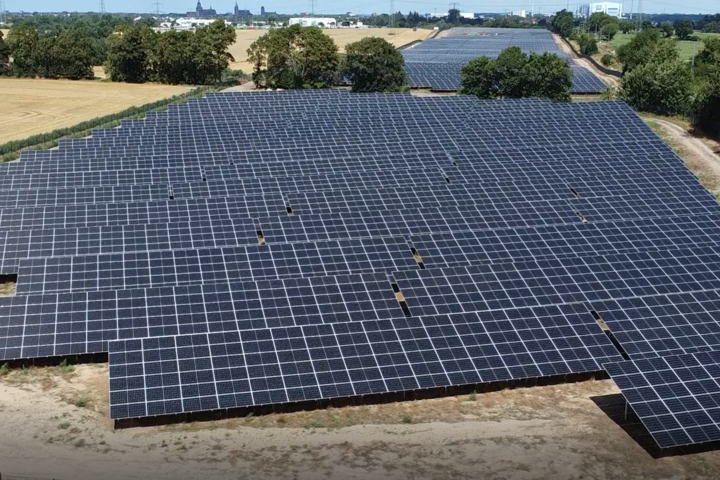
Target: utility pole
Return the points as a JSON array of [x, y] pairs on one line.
[[692, 68], [312, 7], [157, 6], [632, 3], [102, 7], [392, 13], [639, 16], [3, 16]]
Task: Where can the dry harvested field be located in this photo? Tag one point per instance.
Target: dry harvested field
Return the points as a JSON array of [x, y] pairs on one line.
[[31, 106], [54, 425], [342, 36]]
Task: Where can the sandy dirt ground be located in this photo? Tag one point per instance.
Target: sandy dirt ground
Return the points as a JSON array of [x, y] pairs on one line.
[[701, 155], [55, 425], [342, 36], [608, 79], [31, 106]]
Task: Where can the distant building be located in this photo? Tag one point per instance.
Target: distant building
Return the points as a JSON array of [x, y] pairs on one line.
[[467, 15], [608, 8], [241, 13], [519, 13], [201, 12], [313, 22], [262, 10]]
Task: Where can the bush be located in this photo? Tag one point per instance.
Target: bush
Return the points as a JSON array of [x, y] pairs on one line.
[[662, 87], [588, 44], [608, 60], [374, 65], [639, 49]]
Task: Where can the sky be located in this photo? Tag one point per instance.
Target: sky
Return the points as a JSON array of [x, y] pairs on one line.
[[355, 6]]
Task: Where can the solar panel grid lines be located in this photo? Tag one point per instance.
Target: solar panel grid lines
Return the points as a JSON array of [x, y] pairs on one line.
[[553, 281], [77, 323], [219, 265], [216, 209], [659, 326], [160, 376], [675, 397], [557, 241]]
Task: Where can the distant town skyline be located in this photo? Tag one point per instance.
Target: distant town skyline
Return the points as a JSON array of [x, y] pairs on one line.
[[342, 6]]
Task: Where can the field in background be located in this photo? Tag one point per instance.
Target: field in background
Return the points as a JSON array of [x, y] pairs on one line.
[[685, 47], [32, 106], [342, 36]]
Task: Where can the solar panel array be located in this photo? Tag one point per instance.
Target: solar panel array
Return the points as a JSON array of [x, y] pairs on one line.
[[264, 248], [436, 63]]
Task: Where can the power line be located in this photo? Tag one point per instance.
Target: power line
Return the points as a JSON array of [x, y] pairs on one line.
[[102, 6], [157, 6], [312, 7]]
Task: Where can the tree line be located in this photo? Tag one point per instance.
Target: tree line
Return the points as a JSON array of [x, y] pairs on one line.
[[133, 53], [655, 78], [298, 57]]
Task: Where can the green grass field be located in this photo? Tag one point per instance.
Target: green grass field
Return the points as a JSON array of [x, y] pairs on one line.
[[685, 47]]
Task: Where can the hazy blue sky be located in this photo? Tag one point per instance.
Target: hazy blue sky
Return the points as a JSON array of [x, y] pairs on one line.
[[359, 6]]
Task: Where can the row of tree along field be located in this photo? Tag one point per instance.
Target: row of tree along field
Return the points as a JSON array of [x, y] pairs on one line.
[[133, 54], [655, 78]]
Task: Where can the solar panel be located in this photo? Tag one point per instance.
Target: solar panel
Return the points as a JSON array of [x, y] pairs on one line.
[[182, 374], [676, 397], [356, 244]]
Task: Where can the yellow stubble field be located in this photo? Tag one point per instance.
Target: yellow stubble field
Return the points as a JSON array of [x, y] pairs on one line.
[[32, 106], [342, 36]]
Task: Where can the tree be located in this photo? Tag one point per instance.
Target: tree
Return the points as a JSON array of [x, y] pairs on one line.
[[563, 24], [374, 65], [128, 58], [294, 57], [627, 26], [708, 60], [609, 30], [69, 55], [172, 57], [639, 49], [454, 16], [478, 77], [548, 76], [514, 74], [211, 53], [667, 29], [588, 44], [683, 29], [23, 43], [4, 56], [598, 20], [508, 67], [707, 106], [661, 85]]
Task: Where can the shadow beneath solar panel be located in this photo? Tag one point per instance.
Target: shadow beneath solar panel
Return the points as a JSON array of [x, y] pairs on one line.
[[7, 285], [614, 407]]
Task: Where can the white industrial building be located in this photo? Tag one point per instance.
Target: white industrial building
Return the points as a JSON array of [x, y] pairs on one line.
[[608, 8], [519, 13], [313, 22]]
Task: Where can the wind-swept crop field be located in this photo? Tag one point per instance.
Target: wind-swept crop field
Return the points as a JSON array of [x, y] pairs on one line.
[[32, 106]]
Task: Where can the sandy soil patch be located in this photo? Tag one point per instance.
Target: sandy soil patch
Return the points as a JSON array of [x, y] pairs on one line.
[[342, 36], [32, 106], [55, 426], [701, 155]]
